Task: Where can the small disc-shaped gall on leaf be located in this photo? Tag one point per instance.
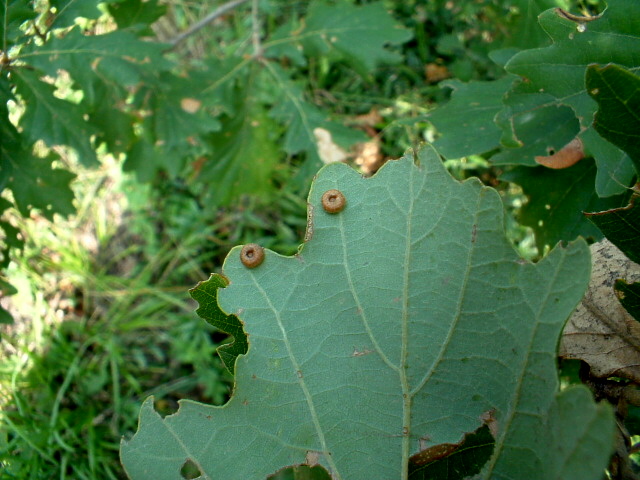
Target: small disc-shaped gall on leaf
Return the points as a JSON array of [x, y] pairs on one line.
[[252, 255], [333, 201]]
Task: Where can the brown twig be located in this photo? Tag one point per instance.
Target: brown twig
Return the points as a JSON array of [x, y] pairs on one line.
[[255, 29], [576, 18], [218, 12]]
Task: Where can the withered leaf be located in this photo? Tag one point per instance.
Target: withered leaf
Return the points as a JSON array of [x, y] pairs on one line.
[[601, 332]]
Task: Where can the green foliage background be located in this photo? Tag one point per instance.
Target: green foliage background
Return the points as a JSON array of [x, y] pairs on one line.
[[208, 141]]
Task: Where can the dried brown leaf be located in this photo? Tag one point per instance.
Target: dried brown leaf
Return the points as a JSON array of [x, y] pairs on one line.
[[368, 156], [369, 119], [601, 332], [328, 151], [435, 72]]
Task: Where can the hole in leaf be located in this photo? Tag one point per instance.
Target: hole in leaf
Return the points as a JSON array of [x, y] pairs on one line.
[[218, 336], [166, 406], [190, 470], [454, 461], [301, 472]]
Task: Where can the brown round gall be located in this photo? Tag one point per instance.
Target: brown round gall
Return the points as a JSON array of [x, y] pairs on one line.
[[252, 255], [333, 201]]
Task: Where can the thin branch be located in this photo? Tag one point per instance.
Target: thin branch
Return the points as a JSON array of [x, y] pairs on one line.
[[218, 12], [255, 34]]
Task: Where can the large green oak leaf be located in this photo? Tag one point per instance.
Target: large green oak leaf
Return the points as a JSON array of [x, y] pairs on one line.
[[617, 92], [359, 35], [13, 13], [55, 121], [558, 71], [466, 122], [300, 118], [66, 11], [556, 200], [622, 227], [406, 321], [116, 58]]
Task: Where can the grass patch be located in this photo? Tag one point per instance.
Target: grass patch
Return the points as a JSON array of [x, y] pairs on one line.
[[103, 319]]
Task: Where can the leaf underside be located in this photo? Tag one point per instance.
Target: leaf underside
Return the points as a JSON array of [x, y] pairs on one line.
[[405, 321]]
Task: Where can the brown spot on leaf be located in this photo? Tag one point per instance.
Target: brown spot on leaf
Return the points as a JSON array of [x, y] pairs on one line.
[[361, 353], [252, 255], [489, 419], [566, 157], [481, 442], [308, 235], [311, 458], [333, 201], [434, 453]]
